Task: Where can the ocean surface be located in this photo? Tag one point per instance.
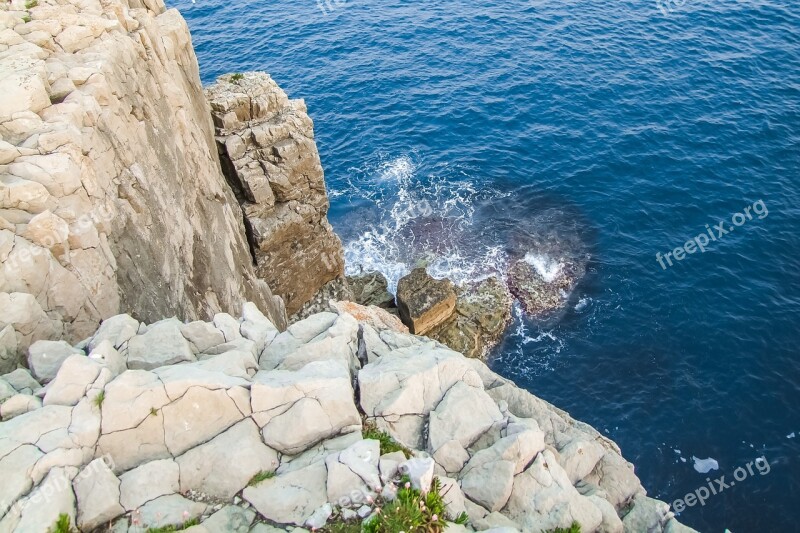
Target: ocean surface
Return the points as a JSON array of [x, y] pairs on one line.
[[613, 131]]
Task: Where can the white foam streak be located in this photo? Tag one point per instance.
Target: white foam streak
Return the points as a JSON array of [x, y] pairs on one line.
[[548, 268]]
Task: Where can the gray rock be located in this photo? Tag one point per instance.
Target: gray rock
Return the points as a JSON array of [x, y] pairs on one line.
[[290, 498], [371, 289], [18, 404], [45, 358], [105, 354], [22, 381], [97, 490], [117, 330], [73, 381], [257, 327], [161, 345], [170, 510], [229, 326], [419, 472], [8, 349], [202, 335], [148, 482], [230, 519], [319, 517], [353, 470], [56, 490], [201, 468], [6, 390]]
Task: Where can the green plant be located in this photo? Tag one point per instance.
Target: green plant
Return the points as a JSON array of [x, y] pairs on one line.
[[574, 528], [171, 528], [261, 476], [412, 511], [31, 4], [98, 400], [62, 525], [153, 411], [388, 444], [26, 18], [237, 76]]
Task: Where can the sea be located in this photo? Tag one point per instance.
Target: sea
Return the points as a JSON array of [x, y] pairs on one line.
[[656, 140]]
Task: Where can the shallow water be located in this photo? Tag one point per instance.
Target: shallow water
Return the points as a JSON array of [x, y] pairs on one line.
[[463, 134]]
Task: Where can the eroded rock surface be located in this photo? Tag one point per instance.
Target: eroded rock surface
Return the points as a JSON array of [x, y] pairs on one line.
[[266, 143]]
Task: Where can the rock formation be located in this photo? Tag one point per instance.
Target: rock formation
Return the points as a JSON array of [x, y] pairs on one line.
[[111, 194], [244, 428], [266, 143]]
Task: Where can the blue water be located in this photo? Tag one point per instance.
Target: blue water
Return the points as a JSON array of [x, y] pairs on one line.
[[610, 129]]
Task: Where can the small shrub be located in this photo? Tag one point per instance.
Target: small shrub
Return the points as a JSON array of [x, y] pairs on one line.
[[574, 528], [236, 77], [153, 411], [171, 529], [261, 476], [26, 18], [98, 400], [62, 525], [31, 4], [388, 444]]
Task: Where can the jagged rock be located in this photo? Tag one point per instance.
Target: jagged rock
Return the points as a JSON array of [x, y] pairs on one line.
[[453, 496], [117, 330], [230, 519], [22, 381], [257, 327], [335, 290], [354, 469], [580, 457], [106, 355], [6, 390], [8, 349], [482, 312], [19, 404], [161, 345], [200, 467], [202, 335], [290, 498], [97, 491], [389, 464], [646, 514], [148, 482], [424, 302], [543, 498], [463, 415], [543, 289], [15, 471], [319, 394], [373, 316], [266, 144], [56, 490], [319, 517], [74, 378], [229, 326], [419, 472], [172, 510], [45, 358], [371, 289]]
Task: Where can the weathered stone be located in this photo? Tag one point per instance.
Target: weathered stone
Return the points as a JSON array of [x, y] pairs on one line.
[[202, 335], [19, 404], [56, 490], [106, 355], [196, 417], [580, 457], [6, 390], [22, 381], [374, 316], [46, 357], [419, 472], [371, 289], [231, 519], [117, 330], [74, 378], [172, 510], [97, 490], [542, 285], [319, 394], [482, 312], [424, 302], [161, 345], [290, 498], [229, 326], [148, 482], [201, 467], [266, 143], [354, 469], [463, 415], [257, 327], [8, 349]]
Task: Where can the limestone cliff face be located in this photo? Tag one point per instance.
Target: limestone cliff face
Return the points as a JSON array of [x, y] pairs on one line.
[[111, 193], [266, 144]]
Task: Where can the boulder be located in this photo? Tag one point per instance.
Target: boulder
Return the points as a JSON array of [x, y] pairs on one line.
[[45, 358], [198, 416], [201, 467], [290, 498], [353, 470], [56, 490], [6, 390], [543, 285], [117, 330], [202, 335], [73, 381], [172, 510], [463, 415], [424, 302], [482, 313], [148, 482], [19, 404], [419, 471], [22, 381], [374, 316], [97, 490], [319, 394], [257, 327], [230, 519], [161, 345], [371, 289], [106, 355], [8, 349], [646, 514]]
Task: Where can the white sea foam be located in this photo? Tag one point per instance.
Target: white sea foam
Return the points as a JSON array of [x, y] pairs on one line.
[[704, 466], [548, 268]]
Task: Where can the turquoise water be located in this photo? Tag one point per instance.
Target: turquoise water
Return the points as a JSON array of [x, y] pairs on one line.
[[613, 130]]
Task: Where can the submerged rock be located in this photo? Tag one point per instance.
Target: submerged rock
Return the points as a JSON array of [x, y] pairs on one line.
[[424, 302], [543, 287]]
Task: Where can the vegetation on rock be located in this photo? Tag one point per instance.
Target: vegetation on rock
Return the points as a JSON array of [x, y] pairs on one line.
[[388, 444]]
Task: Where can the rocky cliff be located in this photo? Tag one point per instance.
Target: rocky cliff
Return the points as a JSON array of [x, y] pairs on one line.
[[111, 191], [239, 427]]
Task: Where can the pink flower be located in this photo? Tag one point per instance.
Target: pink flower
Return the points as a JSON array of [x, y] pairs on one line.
[[435, 518], [408, 485], [185, 515]]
